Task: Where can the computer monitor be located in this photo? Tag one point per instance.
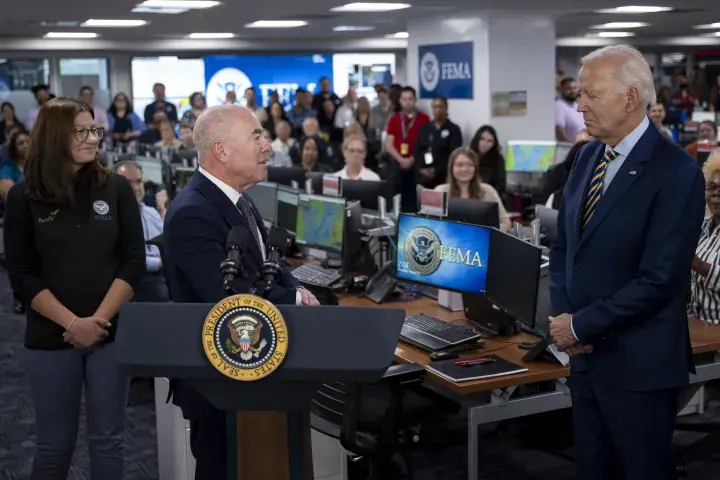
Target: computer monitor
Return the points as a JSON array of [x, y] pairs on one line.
[[287, 207], [513, 276], [152, 169], [265, 197], [316, 179], [561, 151], [442, 254], [320, 222], [474, 212], [526, 156], [286, 175], [548, 224], [181, 177], [188, 158], [366, 191]]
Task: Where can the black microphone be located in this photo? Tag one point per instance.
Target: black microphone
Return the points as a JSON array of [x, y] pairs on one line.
[[237, 239], [270, 272]]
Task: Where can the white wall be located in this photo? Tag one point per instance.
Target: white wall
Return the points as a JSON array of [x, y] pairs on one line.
[[510, 53], [468, 114], [522, 57]]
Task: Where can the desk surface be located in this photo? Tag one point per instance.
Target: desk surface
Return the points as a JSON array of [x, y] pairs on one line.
[[704, 338]]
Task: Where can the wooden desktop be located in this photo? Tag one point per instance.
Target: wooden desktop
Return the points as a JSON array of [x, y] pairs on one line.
[[704, 337]]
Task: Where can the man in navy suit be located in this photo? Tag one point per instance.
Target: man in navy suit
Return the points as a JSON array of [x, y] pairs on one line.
[[233, 157], [627, 231]]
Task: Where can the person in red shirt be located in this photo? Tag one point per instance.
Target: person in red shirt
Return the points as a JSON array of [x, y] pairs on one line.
[[684, 100], [402, 134]]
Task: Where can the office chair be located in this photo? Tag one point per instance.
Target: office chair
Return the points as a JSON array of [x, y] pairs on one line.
[[376, 423], [698, 449]]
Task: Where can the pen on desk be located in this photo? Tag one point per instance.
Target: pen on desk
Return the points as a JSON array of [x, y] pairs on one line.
[[476, 361]]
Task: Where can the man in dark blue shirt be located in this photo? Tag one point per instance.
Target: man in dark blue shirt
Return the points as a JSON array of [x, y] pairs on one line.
[[160, 105]]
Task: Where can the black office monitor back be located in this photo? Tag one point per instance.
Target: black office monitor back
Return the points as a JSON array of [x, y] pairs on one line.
[[264, 195], [287, 207], [548, 224], [474, 212], [317, 182], [366, 192], [513, 276], [286, 175]]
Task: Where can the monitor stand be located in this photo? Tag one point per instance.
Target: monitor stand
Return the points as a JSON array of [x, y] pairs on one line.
[[333, 261]]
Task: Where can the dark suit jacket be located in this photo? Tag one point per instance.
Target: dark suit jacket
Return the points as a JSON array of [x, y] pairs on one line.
[[197, 225], [624, 277], [196, 228]]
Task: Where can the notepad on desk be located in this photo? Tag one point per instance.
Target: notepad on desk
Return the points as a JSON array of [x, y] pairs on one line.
[[465, 369]]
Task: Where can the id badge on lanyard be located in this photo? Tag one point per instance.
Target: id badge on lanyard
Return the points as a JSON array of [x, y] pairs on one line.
[[404, 146]]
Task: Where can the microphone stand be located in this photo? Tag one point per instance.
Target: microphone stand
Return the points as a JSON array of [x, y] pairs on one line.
[[268, 276], [230, 269]]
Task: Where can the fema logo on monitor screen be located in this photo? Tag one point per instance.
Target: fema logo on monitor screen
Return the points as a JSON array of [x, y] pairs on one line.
[[422, 251], [429, 71], [224, 81]]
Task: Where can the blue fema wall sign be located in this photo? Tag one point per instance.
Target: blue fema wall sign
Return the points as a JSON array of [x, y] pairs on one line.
[[447, 70]]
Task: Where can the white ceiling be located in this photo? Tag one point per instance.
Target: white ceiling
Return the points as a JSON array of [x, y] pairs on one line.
[[21, 26]]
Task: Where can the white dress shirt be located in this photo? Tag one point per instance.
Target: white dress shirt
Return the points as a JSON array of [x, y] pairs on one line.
[[234, 196], [365, 174], [623, 150]]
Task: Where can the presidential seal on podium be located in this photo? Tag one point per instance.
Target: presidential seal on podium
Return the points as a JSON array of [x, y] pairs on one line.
[[245, 337]]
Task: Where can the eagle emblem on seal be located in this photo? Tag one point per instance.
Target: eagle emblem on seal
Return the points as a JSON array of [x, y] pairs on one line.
[[244, 337]]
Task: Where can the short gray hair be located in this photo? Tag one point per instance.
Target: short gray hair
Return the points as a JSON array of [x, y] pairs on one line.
[[633, 70], [209, 127]]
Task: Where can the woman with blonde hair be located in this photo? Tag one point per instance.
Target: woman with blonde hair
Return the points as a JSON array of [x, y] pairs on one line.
[[704, 302], [464, 181], [354, 149]]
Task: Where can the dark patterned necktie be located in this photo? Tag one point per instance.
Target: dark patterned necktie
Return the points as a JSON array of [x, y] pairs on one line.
[[597, 183], [247, 212]]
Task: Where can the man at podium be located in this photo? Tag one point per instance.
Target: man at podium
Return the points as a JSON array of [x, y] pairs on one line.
[[233, 156]]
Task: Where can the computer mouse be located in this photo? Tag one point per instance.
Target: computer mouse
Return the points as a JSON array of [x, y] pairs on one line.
[[437, 356]]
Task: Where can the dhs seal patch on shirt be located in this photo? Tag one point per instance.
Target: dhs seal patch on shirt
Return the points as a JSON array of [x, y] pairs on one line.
[[245, 337]]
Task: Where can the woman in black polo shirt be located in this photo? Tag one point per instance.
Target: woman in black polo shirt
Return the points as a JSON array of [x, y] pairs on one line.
[[74, 247]]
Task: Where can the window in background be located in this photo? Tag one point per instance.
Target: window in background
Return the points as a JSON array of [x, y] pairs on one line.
[[78, 72], [17, 77], [181, 76], [362, 70]]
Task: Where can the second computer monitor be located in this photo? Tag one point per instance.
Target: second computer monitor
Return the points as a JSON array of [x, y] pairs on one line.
[[320, 222], [286, 175], [365, 191], [529, 156], [512, 280], [474, 212], [561, 151], [265, 198], [442, 254], [548, 223], [287, 208]]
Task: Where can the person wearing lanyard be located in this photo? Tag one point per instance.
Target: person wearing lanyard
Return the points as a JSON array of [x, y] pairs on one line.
[[402, 133], [436, 141]]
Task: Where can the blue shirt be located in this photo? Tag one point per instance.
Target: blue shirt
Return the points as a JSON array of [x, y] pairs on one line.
[[152, 227], [623, 149], [10, 171]]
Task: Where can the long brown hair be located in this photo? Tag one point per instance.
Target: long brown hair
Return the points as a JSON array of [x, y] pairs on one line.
[[475, 188], [49, 173]]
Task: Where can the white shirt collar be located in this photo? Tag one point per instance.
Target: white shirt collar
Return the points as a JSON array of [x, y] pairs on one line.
[[230, 192], [628, 143]]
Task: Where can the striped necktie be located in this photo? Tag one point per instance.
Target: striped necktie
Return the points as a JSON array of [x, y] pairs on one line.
[[247, 212], [596, 185]]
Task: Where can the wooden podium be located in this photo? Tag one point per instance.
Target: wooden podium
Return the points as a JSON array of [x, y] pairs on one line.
[[271, 415]]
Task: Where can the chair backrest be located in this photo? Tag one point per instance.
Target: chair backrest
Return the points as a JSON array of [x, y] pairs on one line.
[[329, 405]]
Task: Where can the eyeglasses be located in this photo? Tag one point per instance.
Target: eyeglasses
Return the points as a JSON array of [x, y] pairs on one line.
[[356, 150], [82, 134], [712, 188]]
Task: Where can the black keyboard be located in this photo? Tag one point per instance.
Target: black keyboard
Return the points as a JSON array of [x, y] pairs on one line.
[[317, 276], [432, 334]]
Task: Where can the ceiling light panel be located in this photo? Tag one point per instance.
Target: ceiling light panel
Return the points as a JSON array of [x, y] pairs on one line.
[[610, 35], [616, 25], [186, 4], [276, 24], [113, 23], [398, 35], [708, 26], [353, 28], [71, 35], [210, 36], [370, 7], [636, 9]]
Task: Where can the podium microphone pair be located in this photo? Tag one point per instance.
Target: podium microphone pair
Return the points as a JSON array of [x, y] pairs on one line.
[[270, 271]]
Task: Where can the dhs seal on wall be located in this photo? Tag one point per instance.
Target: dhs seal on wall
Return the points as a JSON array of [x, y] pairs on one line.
[[429, 71], [245, 337], [422, 251]]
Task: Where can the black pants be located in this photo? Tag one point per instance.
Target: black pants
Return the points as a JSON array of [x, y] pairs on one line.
[[405, 183], [208, 432], [152, 288], [622, 434]]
